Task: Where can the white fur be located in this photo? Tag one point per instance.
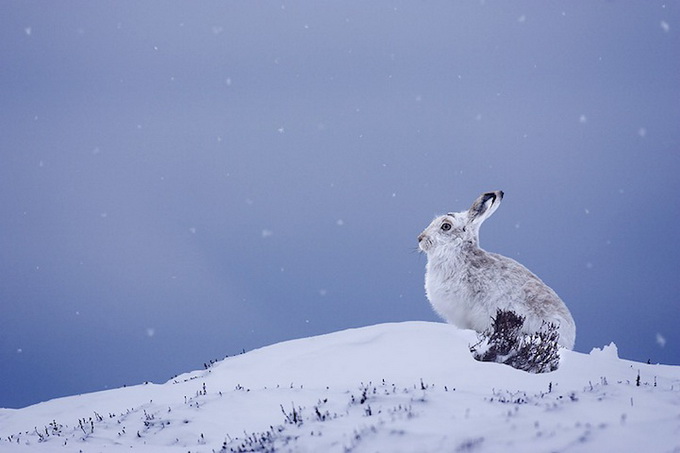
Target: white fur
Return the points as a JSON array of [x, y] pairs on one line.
[[466, 284]]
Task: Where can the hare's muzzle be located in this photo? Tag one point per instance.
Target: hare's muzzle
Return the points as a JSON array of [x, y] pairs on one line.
[[423, 242]]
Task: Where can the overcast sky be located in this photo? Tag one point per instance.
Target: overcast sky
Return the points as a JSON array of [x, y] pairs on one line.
[[183, 181]]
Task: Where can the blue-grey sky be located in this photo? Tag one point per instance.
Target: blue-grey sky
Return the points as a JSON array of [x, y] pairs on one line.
[[181, 181]]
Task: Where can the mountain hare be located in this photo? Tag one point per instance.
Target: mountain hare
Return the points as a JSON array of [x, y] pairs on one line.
[[466, 285]]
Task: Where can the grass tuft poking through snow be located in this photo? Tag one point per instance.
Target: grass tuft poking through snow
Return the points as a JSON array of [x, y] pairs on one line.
[[506, 343]]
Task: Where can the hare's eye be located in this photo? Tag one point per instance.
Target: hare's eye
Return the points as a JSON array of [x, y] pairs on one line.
[[446, 226]]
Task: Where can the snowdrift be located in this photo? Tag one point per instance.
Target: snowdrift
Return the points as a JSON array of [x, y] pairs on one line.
[[401, 387]]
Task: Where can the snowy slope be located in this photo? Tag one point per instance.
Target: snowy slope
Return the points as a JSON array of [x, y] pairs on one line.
[[391, 387]]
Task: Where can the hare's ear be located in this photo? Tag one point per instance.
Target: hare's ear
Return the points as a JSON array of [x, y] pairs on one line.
[[484, 206]]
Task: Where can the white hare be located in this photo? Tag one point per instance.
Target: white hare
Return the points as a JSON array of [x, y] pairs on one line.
[[467, 285]]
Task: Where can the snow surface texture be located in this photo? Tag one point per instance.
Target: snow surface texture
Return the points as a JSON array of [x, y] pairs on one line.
[[405, 387]]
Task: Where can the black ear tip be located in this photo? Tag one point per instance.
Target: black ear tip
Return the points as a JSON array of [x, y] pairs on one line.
[[491, 196], [497, 194]]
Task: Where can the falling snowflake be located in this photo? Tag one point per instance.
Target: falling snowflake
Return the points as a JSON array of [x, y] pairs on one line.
[[660, 340]]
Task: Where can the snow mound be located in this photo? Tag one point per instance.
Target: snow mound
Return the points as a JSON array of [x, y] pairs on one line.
[[406, 387]]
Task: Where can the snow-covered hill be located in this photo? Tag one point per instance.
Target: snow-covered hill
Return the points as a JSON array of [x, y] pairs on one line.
[[392, 387]]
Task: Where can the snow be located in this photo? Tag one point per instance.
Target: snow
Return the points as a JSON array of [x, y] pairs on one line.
[[660, 340], [410, 386]]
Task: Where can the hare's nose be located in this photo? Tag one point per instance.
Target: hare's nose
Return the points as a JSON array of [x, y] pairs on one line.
[[421, 236]]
